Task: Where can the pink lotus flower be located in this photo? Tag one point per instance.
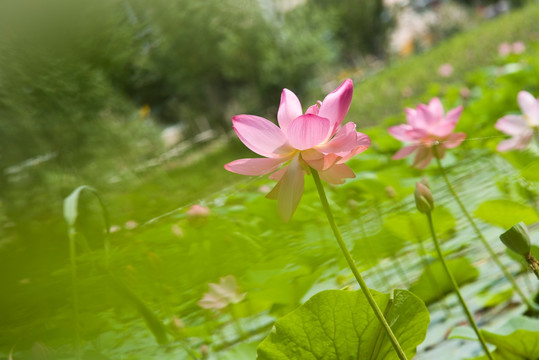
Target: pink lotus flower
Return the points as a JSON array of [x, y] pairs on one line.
[[520, 127], [445, 70], [505, 49], [518, 47], [302, 141], [222, 294], [427, 126], [198, 211]]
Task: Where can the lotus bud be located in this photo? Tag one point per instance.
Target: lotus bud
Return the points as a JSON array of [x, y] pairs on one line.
[[423, 198], [517, 239], [390, 192]]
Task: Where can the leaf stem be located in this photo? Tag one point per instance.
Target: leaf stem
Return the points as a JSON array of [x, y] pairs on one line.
[[75, 294], [490, 251], [456, 288], [352, 265]]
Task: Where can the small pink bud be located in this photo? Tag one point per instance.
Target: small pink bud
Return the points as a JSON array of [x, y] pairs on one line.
[[465, 92], [177, 325], [423, 198], [204, 350], [198, 211], [425, 182]]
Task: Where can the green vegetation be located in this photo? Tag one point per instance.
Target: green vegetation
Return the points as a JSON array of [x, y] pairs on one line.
[[161, 257], [416, 79]]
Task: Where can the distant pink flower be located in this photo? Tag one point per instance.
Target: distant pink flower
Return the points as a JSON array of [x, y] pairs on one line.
[[445, 70], [221, 295], [425, 126], [520, 127], [518, 47], [198, 211], [314, 139], [465, 92], [504, 49]]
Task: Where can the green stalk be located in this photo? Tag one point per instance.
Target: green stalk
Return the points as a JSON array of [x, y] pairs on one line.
[[352, 265], [75, 294], [457, 291], [490, 251], [431, 278], [155, 325]]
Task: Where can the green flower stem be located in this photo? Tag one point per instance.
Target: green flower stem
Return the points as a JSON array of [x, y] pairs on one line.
[[491, 251], [431, 277], [456, 288], [379, 314], [75, 294]]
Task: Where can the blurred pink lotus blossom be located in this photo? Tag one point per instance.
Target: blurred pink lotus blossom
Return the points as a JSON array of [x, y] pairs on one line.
[[520, 127], [504, 49], [445, 70], [314, 139], [426, 126], [198, 211], [518, 47], [221, 295]]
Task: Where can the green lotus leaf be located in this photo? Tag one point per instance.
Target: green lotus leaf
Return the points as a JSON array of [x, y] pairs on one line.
[[339, 324]]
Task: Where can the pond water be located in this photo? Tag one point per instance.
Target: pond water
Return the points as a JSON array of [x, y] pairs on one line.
[[157, 264]]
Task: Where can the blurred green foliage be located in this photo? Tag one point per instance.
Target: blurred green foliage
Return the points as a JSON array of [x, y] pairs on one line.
[[74, 75], [80, 82], [416, 79]]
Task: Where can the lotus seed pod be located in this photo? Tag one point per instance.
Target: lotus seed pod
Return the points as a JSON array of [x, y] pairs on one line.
[[423, 198], [517, 239]]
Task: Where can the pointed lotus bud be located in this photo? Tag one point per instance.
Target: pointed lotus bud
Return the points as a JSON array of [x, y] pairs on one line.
[[423, 198], [517, 239]]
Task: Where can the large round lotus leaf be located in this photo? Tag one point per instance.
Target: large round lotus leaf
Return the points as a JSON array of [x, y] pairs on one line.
[[338, 325]]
